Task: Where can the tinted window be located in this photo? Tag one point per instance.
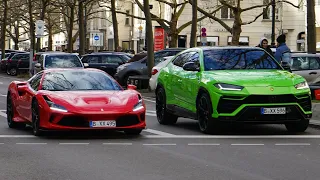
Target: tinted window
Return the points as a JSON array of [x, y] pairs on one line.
[[62, 61], [226, 59], [92, 59], [181, 59], [35, 81], [78, 80], [111, 59]]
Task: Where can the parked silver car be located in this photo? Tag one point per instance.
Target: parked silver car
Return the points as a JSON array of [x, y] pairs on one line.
[[306, 65]]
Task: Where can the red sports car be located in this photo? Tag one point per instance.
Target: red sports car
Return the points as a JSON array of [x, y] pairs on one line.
[[73, 99]]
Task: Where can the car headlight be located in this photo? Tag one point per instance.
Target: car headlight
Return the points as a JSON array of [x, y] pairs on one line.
[[302, 85], [139, 105], [228, 87], [56, 107]]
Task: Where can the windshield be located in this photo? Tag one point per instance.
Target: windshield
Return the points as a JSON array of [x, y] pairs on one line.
[[228, 59], [62, 61], [78, 80]]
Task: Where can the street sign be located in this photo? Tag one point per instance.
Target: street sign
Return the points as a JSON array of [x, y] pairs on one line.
[[203, 40], [96, 39], [39, 28]]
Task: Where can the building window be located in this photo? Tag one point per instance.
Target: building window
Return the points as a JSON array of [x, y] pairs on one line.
[[267, 12], [226, 13], [211, 41], [127, 22], [243, 40]]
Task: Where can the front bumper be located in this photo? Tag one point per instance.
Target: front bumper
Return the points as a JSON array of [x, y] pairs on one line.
[[248, 109], [81, 121]]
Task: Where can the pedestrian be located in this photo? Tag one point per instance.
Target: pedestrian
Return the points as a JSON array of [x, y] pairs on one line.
[[283, 52], [264, 45]]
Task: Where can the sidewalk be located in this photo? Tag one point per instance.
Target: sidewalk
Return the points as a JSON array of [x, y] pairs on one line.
[[315, 121]]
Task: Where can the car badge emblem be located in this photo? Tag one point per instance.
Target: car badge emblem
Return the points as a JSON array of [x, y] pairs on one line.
[[271, 89], [102, 110]]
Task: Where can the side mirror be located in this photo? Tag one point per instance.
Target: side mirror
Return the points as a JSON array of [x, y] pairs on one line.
[[191, 66], [85, 65], [131, 87], [286, 66], [37, 65]]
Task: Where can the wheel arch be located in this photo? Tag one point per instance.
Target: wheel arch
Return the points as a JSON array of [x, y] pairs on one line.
[[201, 91]]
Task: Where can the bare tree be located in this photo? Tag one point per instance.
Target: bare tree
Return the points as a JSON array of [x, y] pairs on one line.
[[311, 27], [193, 37], [114, 24], [149, 36], [235, 7], [3, 28]]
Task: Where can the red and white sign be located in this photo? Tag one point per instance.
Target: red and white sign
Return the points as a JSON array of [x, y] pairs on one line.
[[158, 38]]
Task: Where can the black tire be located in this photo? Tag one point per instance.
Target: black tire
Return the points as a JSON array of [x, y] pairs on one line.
[[133, 131], [36, 119], [297, 127], [13, 71], [164, 117], [10, 114], [206, 123]]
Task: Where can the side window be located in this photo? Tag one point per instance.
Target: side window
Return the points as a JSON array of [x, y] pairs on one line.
[[92, 59], [111, 59], [194, 57], [181, 59], [25, 57], [314, 62], [300, 63], [17, 57], [35, 81]]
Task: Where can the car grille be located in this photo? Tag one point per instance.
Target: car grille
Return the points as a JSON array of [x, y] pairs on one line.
[[229, 104], [253, 114], [76, 121]]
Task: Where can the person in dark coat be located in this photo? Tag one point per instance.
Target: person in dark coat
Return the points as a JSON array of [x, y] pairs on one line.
[[264, 45]]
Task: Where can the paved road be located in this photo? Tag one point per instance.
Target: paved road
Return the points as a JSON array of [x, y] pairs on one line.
[[161, 152]]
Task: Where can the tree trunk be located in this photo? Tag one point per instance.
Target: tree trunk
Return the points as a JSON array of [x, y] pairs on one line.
[[42, 16], [16, 38], [311, 28], [4, 28], [150, 52], [174, 40], [82, 37], [71, 20], [236, 29], [115, 24], [193, 37], [50, 40], [32, 26]]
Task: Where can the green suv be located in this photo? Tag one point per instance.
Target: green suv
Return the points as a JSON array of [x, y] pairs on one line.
[[216, 85]]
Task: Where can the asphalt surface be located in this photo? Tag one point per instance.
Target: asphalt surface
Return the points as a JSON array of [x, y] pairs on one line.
[[176, 152]]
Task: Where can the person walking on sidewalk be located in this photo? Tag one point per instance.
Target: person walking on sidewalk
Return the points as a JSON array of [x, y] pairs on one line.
[[283, 52]]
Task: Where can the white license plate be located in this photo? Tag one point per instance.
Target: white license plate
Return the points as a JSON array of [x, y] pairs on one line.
[[279, 110], [110, 123]]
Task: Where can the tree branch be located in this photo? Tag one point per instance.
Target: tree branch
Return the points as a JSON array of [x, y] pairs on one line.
[[249, 22]]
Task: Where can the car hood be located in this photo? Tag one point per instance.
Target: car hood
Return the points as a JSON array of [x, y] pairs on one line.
[[253, 78], [94, 101]]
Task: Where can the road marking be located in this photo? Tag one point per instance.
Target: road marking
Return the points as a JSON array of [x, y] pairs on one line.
[[151, 114], [292, 144], [125, 144], [247, 144], [31, 143], [236, 137], [161, 133], [1, 82], [1, 143], [3, 114], [3, 95], [17, 136], [201, 144], [74, 143], [159, 144], [148, 100]]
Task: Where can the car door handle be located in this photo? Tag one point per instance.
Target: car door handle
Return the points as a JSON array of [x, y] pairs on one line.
[[103, 66], [313, 73], [179, 80]]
